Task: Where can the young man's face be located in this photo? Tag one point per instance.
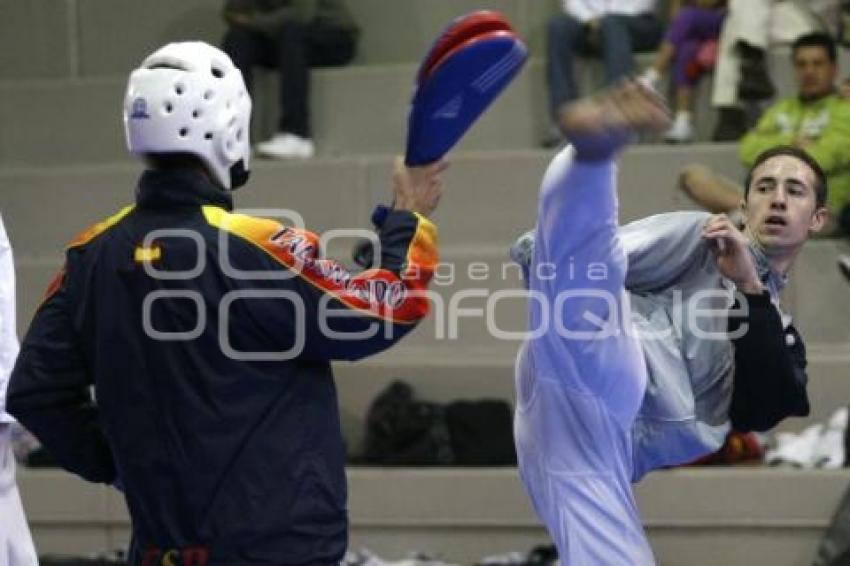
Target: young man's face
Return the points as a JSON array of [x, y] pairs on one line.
[[814, 71], [781, 206]]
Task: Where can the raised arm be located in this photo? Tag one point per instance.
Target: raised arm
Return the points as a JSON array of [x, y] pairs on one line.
[[661, 248], [332, 313]]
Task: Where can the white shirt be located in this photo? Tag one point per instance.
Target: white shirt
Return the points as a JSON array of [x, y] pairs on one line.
[[8, 333], [586, 10]]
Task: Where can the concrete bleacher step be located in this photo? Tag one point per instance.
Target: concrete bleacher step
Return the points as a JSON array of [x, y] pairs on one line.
[[444, 375], [356, 110], [70, 36], [489, 196], [694, 517], [363, 109], [60, 103], [60, 122]]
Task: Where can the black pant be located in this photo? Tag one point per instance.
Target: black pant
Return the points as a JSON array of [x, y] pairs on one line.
[[293, 50]]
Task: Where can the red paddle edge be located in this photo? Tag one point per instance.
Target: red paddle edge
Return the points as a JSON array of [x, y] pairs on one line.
[[466, 28], [470, 41]]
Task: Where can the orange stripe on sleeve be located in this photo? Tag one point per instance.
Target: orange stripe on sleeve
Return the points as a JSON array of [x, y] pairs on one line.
[[422, 255], [376, 292]]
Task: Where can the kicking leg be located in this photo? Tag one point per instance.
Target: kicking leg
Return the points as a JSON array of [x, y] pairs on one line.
[[581, 380], [578, 263]]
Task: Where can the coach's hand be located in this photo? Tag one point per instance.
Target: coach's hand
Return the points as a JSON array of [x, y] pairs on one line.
[[731, 251], [418, 189]]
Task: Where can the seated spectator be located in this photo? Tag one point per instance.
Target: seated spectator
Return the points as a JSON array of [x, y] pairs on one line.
[[741, 72], [290, 36], [817, 120], [690, 45], [614, 30]]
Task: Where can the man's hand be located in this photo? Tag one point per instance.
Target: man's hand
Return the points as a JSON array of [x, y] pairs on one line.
[[418, 189], [731, 253], [600, 126]]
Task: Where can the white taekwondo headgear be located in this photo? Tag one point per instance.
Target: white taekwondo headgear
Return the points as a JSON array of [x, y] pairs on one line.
[[190, 98]]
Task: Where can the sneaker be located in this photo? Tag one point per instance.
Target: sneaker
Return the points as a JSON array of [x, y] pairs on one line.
[[681, 131], [649, 78], [287, 146]]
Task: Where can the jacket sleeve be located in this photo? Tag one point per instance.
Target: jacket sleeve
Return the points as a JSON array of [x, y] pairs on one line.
[[661, 248], [770, 367], [49, 391], [335, 314], [765, 135]]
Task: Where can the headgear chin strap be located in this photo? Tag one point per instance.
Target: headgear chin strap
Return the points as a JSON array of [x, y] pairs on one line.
[[238, 175]]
